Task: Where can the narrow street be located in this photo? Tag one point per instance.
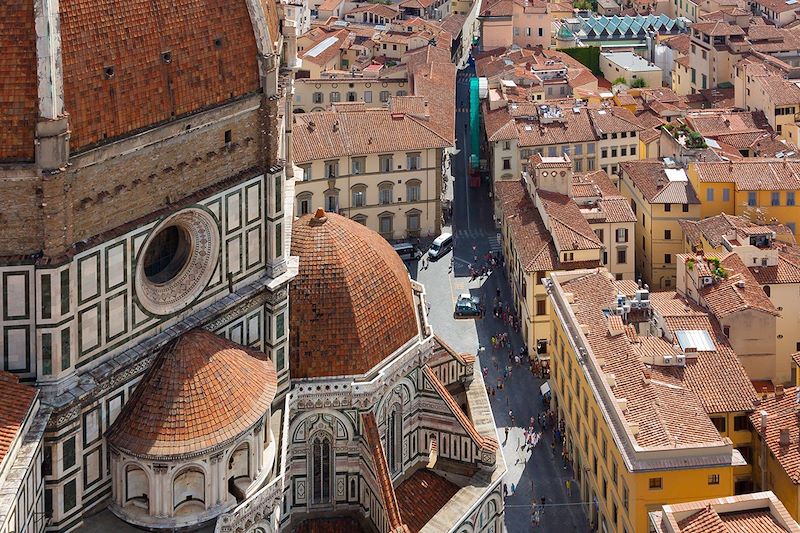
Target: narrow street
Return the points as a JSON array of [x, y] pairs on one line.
[[532, 474]]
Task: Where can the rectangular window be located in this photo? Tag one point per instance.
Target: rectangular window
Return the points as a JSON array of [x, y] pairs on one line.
[[740, 423], [776, 198], [358, 164], [694, 76], [385, 195], [317, 98], [551, 151], [368, 97], [506, 145], [280, 358], [384, 96], [667, 234], [506, 163], [412, 222], [579, 165], [622, 234], [590, 164], [386, 163], [306, 172], [331, 169], [668, 258], [335, 96], [705, 82], [590, 148], [280, 326], [726, 194], [47, 296], [623, 151], [278, 193], [541, 307], [351, 95], [385, 225], [751, 198], [667, 208], [613, 152], [656, 483], [278, 240], [412, 161], [541, 32], [622, 256], [68, 454], [625, 496], [713, 479], [359, 196], [600, 234], [789, 197], [685, 208], [604, 152], [65, 291], [70, 495], [709, 194], [719, 423], [577, 149], [47, 353], [66, 349]]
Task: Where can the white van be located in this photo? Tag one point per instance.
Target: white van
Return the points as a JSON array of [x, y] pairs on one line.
[[441, 245]]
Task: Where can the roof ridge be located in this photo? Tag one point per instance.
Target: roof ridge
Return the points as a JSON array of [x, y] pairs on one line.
[[382, 471]]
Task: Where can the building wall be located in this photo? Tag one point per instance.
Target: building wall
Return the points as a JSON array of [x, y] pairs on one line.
[[652, 243], [617, 148], [776, 478], [784, 298], [319, 94], [496, 32], [314, 192], [752, 336], [596, 457], [627, 269], [681, 76], [612, 71], [23, 488], [532, 26]]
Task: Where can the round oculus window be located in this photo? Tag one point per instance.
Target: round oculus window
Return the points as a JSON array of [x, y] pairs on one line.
[[176, 261]]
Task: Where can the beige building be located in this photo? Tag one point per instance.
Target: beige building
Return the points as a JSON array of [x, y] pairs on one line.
[[660, 197], [710, 60], [634, 69], [618, 130], [524, 23], [768, 252], [379, 167], [770, 86], [778, 12], [727, 289]]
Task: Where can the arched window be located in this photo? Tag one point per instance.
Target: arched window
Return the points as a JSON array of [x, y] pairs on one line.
[[394, 439], [413, 188], [239, 471], [137, 487], [385, 192], [321, 466], [359, 195], [304, 203], [189, 492], [413, 222]]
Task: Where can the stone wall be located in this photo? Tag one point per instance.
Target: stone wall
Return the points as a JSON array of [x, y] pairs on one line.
[[20, 213]]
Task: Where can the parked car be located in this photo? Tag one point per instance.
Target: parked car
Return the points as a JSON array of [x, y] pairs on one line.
[[440, 246], [467, 305], [407, 251]]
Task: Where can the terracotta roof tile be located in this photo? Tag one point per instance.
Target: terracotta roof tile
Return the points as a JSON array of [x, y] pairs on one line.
[[18, 80], [16, 401], [668, 413], [201, 391], [786, 271], [422, 495], [145, 90], [335, 327], [359, 131], [648, 176], [717, 377], [568, 227], [736, 292], [752, 175]]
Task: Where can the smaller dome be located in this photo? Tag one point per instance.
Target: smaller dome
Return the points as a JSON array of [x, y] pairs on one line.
[[352, 303], [202, 391]]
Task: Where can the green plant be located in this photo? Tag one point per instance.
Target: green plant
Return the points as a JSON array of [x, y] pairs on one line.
[[690, 264], [619, 81], [639, 83]]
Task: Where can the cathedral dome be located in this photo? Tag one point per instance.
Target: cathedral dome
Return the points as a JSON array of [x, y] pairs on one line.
[[351, 302], [201, 392]]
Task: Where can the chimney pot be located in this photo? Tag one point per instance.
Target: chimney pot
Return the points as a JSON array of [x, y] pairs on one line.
[[779, 391]]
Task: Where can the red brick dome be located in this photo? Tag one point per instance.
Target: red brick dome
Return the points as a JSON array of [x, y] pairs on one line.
[[201, 391], [351, 302]]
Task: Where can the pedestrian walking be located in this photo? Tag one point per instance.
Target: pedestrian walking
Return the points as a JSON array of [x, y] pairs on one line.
[[569, 487], [506, 434]]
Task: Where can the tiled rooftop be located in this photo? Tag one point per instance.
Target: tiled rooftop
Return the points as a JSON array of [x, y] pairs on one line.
[[569, 228], [782, 413], [752, 175], [421, 496], [143, 89], [668, 413], [201, 391], [737, 292], [384, 480], [335, 327], [649, 177], [16, 401]]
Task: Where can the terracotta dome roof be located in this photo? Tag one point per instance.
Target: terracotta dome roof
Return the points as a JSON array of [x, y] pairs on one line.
[[351, 302], [201, 391]]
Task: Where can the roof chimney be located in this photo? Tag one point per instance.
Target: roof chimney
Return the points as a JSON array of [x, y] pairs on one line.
[[785, 437], [779, 391]]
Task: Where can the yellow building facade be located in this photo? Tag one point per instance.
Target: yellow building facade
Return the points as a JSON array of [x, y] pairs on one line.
[[660, 198], [764, 190], [619, 463]]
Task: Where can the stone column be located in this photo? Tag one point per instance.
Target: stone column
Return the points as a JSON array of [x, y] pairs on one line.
[[161, 499], [219, 483]]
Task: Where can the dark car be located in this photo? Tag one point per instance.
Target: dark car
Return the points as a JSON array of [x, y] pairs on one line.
[[467, 305]]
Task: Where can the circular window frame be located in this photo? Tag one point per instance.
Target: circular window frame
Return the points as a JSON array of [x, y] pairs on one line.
[[184, 287]]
